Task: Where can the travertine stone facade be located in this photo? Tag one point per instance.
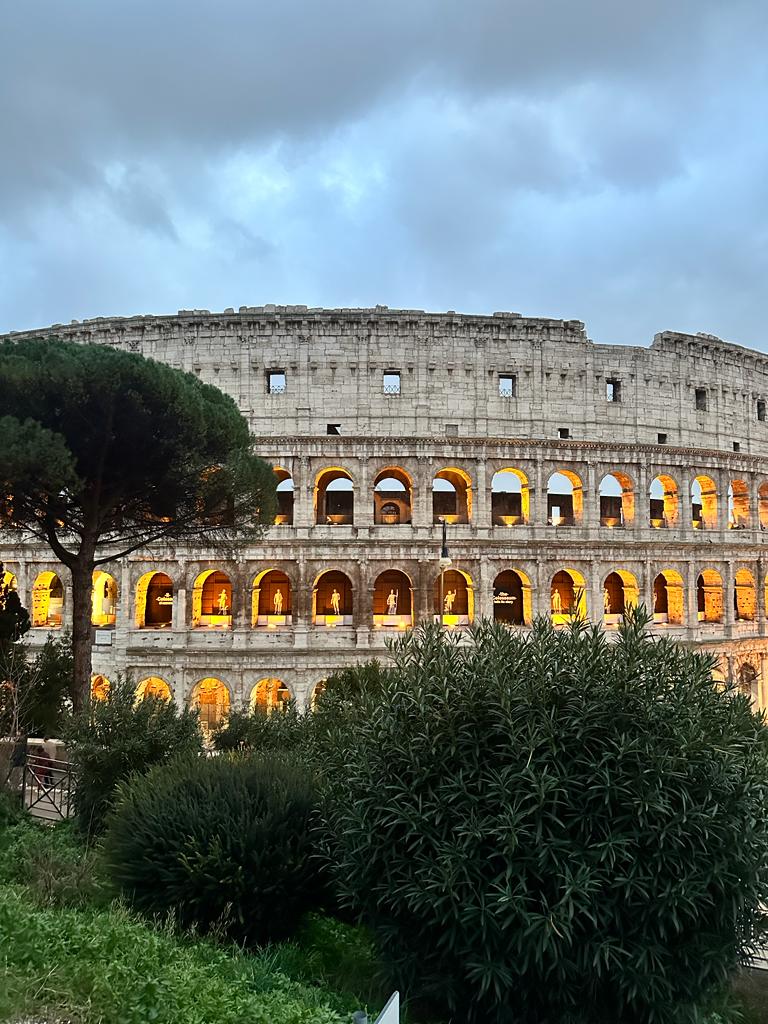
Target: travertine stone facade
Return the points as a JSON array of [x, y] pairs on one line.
[[406, 396]]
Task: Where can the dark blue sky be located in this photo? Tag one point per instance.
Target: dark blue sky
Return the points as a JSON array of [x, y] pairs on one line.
[[597, 160]]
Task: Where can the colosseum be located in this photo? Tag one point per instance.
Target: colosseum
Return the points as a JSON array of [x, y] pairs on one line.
[[570, 476]]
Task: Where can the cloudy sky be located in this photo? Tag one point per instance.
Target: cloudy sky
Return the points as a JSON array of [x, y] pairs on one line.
[[599, 160]]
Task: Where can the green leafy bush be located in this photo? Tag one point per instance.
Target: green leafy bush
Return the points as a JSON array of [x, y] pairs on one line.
[[221, 844], [54, 865], [285, 729], [554, 827], [119, 736]]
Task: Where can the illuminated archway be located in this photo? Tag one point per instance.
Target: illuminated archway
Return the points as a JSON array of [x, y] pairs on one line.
[[617, 500], [284, 514], [269, 695], [317, 692], [738, 505], [565, 499], [9, 581], [567, 596], [703, 503], [100, 687], [744, 596], [512, 598], [212, 699], [747, 682], [47, 600], [452, 496], [762, 505], [392, 497], [155, 687], [510, 498], [620, 593], [668, 598], [154, 601], [334, 498], [212, 601], [393, 600], [458, 607], [709, 596], [271, 603], [332, 599], [103, 599], [664, 503]]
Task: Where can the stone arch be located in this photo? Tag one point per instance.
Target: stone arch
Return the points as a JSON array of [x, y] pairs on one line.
[[568, 598], [100, 687], [153, 686], [332, 599], [703, 503], [664, 502], [268, 695], [316, 692], [512, 598], [617, 500], [213, 699], [762, 505], [620, 593], [709, 596], [392, 497], [452, 496], [103, 599], [393, 585], [738, 505], [154, 601], [212, 600], [747, 681], [285, 492], [668, 598], [565, 498], [744, 596], [9, 581], [510, 497], [334, 497], [47, 600], [272, 599], [458, 598]]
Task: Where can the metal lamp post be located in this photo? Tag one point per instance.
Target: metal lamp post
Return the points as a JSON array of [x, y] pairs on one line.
[[445, 561]]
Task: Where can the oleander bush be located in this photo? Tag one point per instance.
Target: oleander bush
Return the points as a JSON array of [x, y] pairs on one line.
[[554, 827], [284, 729], [220, 844]]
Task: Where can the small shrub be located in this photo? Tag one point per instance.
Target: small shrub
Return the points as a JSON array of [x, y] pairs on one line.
[[119, 736], [221, 844], [553, 827], [285, 729], [11, 811]]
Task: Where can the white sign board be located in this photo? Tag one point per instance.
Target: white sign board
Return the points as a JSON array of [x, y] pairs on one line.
[[391, 1012]]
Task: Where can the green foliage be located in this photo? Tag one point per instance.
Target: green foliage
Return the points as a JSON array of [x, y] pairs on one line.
[[11, 811], [115, 738], [221, 844], [14, 617], [350, 684], [37, 697], [285, 729], [552, 827]]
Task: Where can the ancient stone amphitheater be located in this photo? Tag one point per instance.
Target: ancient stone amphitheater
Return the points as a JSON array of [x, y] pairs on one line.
[[571, 476]]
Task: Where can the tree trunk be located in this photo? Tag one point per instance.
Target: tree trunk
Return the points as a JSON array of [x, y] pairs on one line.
[[82, 584]]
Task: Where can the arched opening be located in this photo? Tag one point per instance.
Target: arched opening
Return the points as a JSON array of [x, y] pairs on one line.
[[392, 497], [617, 500], [212, 601], [393, 600], [47, 600], [668, 603], [747, 682], [510, 498], [272, 600], [744, 596], [762, 505], [568, 596], [269, 695], [664, 503], [100, 687], [9, 581], [703, 503], [154, 601], [738, 505], [458, 599], [709, 596], [155, 687], [212, 699], [332, 599], [103, 599], [317, 692], [512, 598], [565, 499], [284, 490], [452, 496], [620, 593], [334, 498]]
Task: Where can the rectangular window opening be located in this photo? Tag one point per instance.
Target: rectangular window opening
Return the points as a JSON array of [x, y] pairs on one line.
[[613, 389], [276, 382], [737, 446], [508, 385], [661, 438], [392, 382], [333, 429], [564, 433], [761, 410], [701, 399]]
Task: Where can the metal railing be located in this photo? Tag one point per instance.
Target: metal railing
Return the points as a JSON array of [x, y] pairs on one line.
[[47, 787]]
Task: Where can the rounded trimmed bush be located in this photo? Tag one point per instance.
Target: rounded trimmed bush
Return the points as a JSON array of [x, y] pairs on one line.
[[219, 844], [558, 827]]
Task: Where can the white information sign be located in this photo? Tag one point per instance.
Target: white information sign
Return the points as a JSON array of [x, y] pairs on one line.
[[391, 1012]]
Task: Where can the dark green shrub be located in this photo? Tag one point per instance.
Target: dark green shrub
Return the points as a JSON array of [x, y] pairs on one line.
[[285, 729], [554, 828], [118, 737], [220, 844]]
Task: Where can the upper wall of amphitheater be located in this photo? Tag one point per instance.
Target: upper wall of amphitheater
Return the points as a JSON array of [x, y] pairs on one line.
[[450, 365]]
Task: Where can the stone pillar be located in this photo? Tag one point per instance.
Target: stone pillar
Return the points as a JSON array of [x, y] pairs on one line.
[[125, 598], [422, 496], [594, 595], [481, 513], [483, 592], [362, 612], [541, 597], [241, 610], [728, 612], [303, 493], [642, 501], [691, 596], [424, 592], [363, 494], [760, 596], [302, 595], [685, 523], [539, 496], [591, 500]]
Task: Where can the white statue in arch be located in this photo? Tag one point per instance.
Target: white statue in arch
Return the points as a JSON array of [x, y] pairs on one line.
[[336, 602], [392, 603], [606, 601], [278, 602], [557, 602], [450, 597], [223, 603]]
